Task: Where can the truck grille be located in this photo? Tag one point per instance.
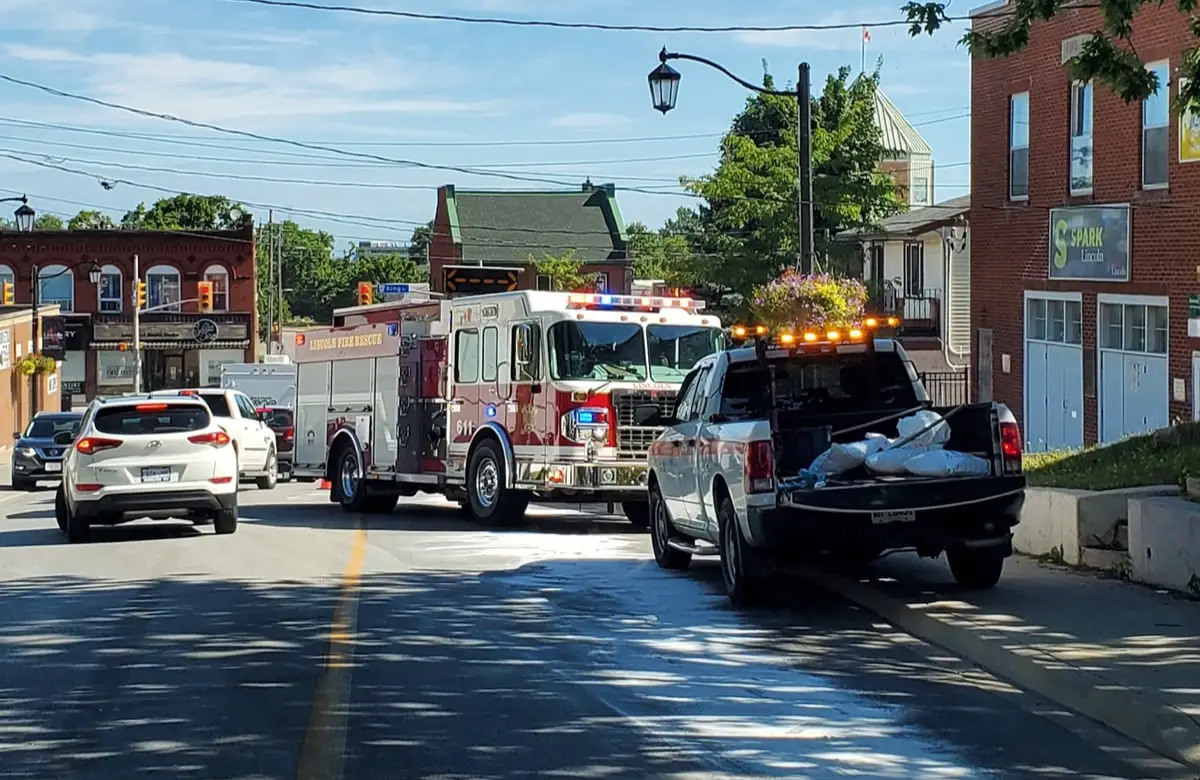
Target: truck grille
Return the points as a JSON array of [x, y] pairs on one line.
[[633, 440]]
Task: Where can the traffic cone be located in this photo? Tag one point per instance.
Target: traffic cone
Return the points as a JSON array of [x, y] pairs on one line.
[[325, 485]]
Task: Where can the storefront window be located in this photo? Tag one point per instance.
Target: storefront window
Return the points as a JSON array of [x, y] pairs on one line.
[[162, 288], [56, 284], [115, 367], [111, 290]]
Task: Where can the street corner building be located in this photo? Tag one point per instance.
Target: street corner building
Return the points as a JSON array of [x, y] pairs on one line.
[[91, 333], [27, 377], [1085, 273], [500, 231]]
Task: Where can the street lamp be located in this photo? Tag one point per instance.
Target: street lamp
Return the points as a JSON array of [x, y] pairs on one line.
[[25, 216], [664, 89]]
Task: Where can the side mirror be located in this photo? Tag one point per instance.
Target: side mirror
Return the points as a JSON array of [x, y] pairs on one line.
[[64, 437], [649, 415]]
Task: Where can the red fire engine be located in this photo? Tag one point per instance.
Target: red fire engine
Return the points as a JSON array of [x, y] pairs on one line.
[[499, 399]]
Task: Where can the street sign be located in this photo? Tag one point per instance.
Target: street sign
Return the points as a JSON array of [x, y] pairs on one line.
[[393, 288]]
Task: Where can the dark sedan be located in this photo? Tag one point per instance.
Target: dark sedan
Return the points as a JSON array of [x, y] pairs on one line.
[[280, 419], [35, 455]]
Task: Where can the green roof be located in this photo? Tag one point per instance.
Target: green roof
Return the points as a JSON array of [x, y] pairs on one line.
[[506, 227]]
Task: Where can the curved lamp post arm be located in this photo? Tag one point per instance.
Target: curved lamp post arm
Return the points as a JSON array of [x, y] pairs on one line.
[[664, 56]]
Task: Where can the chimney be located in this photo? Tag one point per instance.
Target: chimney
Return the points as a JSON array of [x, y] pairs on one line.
[[588, 186]]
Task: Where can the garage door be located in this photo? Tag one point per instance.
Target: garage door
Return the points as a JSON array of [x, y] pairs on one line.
[[1134, 387], [1053, 373]]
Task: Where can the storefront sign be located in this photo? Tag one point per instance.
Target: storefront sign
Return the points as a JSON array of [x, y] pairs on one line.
[[196, 331], [65, 334], [1090, 242], [5, 350]]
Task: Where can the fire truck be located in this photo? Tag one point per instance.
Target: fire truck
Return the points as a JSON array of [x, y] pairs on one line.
[[498, 399]]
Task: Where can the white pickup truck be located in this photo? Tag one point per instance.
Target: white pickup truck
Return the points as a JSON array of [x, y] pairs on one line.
[[253, 439], [723, 474]]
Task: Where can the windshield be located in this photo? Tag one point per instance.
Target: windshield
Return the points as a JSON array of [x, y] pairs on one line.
[[46, 427], [608, 351], [674, 349]]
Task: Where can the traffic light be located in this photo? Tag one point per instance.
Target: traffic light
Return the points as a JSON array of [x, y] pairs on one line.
[[6, 293], [204, 296], [366, 293], [141, 294]]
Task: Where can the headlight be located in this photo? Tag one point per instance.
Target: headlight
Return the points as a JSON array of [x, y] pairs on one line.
[[27, 452]]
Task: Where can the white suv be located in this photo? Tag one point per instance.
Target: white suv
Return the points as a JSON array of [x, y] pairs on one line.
[[146, 457], [253, 439]]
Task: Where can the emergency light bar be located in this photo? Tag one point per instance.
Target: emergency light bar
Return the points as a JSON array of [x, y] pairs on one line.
[[645, 302], [787, 337]]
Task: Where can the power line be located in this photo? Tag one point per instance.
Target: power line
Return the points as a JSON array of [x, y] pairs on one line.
[[504, 22]]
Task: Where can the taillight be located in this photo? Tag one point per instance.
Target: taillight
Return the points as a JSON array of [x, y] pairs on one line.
[[1010, 445], [90, 445], [211, 438], [760, 467], [289, 434]]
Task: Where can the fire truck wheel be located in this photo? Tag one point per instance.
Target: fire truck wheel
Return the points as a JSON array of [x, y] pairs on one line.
[[637, 512], [489, 501], [348, 485]]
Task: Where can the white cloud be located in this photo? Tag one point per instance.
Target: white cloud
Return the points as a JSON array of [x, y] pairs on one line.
[[586, 121], [232, 92], [842, 39]]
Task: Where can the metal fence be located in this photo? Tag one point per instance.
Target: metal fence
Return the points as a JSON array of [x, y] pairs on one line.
[[947, 388]]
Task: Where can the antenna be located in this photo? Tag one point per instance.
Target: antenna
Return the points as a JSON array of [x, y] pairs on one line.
[[766, 68]]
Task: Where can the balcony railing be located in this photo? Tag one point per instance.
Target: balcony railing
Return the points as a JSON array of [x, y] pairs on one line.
[[919, 310]]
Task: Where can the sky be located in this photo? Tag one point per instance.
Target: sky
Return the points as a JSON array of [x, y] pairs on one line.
[[510, 103]]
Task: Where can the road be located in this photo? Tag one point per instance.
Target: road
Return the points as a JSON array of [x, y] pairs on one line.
[[312, 644]]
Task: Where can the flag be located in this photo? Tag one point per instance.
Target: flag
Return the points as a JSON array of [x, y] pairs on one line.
[[866, 35]]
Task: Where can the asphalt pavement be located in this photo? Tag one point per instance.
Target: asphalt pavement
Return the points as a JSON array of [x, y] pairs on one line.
[[314, 644]]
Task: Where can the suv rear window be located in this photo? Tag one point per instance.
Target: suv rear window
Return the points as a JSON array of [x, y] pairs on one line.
[[216, 404], [151, 418], [822, 384]]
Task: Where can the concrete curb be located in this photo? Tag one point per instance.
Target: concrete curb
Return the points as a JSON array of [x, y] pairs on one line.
[[1143, 719]]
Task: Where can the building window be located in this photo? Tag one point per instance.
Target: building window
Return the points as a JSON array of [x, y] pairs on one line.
[[111, 292], [1081, 138], [920, 190], [162, 288], [914, 270], [56, 284], [601, 281], [544, 282], [1133, 328], [1018, 147], [1156, 120], [1054, 319], [219, 276], [7, 275]]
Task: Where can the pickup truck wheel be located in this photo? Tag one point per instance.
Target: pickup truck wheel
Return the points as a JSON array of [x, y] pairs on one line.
[[740, 563], [637, 513], [975, 569], [490, 502], [665, 556]]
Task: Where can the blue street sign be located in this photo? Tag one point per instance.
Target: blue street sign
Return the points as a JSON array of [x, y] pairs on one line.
[[393, 288]]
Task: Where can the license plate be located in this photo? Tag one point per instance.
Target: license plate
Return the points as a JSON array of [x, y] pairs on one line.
[[884, 518], [53, 467], [156, 474]]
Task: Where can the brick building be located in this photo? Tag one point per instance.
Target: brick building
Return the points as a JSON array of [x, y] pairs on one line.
[[1084, 240], [93, 334], [504, 228]]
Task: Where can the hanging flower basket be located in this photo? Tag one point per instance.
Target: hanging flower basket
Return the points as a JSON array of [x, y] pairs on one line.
[[34, 364], [794, 300]]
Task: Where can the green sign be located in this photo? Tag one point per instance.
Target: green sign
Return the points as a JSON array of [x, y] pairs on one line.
[[1090, 242]]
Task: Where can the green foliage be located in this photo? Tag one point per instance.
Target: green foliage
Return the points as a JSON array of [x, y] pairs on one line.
[[750, 218], [1163, 458], [91, 220], [47, 222], [819, 300], [418, 244], [660, 254], [563, 270], [1108, 55], [188, 212]]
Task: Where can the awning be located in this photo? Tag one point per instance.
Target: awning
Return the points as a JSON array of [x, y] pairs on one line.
[[163, 345]]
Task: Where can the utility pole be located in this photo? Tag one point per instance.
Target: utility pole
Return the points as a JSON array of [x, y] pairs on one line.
[[270, 276], [35, 325], [804, 146], [137, 328]]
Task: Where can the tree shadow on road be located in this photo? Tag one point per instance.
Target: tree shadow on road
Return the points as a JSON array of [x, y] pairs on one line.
[[601, 668]]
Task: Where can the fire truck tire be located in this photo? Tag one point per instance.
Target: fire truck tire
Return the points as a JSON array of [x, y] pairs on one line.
[[381, 503], [489, 501], [355, 499], [637, 512]]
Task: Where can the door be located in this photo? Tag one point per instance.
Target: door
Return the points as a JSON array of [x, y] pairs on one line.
[[462, 413], [671, 454], [1134, 386], [1053, 396], [529, 424], [257, 437], [689, 449], [1146, 394]]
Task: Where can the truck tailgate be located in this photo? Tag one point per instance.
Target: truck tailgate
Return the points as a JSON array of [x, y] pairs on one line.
[[904, 493]]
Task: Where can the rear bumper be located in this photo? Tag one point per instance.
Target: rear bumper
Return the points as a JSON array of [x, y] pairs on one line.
[[122, 507], [928, 516]]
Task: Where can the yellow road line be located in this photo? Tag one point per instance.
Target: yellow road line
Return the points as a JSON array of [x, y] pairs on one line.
[[324, 747]]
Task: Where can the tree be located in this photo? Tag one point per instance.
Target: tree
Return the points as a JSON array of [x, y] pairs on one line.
[[793, 300], [188, 212], [418, 245], [749, 220], [659, 254], [1108, 55], [47, 222], [310, 280], [91, 220], [563, 270]]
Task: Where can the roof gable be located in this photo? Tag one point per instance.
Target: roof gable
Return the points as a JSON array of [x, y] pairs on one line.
[[900, 138], [506, 227]]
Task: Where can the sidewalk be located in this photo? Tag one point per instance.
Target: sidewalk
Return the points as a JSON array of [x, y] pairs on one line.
[[1122, 654]]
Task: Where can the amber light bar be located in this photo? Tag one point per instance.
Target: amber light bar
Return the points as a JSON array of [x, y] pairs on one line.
[[788, 336]]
